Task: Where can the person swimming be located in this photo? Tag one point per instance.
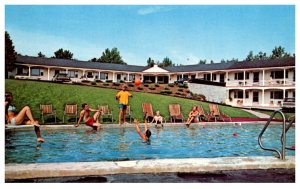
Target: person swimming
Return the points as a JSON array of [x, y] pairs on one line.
[[147, 133]]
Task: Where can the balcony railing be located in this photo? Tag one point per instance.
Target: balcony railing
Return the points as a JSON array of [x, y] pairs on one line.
[[274, 82]]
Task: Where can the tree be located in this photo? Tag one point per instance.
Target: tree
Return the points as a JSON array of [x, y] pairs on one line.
[[212, 62], [93, 60], [202, 61], [250, 56], [63, 54], [40, 54], [166, 62], [10, 54], [278, 52], [261, 56], [150, 62], [111, 56]]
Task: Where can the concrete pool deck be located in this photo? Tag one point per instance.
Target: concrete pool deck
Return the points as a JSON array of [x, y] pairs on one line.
[[188, 165]]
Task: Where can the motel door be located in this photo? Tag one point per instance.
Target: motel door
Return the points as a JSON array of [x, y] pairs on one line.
[[255, 77], [255, 96], [222, 78]]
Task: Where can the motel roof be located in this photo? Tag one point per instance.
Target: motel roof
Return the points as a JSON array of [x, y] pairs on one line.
[[38, 61]]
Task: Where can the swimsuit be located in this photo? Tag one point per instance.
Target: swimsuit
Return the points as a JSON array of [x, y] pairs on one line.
[[90, 122]]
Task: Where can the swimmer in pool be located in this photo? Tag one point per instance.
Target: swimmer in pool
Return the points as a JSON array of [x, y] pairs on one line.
[[13, 118], [144, 135], [91, 121]]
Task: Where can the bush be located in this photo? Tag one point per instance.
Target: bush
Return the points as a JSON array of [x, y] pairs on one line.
[[85, 81], [166, 88], [152, 88], [146, 85], [122, 81], [180, 90], [76, 83], [165, 92], [108, 81], [105, 84], [182, 86], [178, 93], [98, 81], [156, 85], [93, 83], [171, 85], [140, 88], [116, 84], [130, 85]]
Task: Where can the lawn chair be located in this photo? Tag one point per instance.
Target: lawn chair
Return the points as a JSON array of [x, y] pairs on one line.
[[128, 113], [70, 111], [175, 113], [147, 111], [216, 114], [202, 115], [47, 110], [106, 112]]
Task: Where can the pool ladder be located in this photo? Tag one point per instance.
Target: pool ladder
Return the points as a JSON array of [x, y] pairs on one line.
[[285, 128]]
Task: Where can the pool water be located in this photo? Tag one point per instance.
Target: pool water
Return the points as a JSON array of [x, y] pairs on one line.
[[116, 144]]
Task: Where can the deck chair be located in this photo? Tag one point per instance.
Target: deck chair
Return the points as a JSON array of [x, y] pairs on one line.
[[216, 114], [128, 113], [106, 112], [202, 115], [175, 112], [147, 111], [47, 110], [70, 111]]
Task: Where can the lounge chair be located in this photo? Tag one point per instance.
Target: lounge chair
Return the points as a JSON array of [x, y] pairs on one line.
[[175, 113], [216, 114], [70, 111], [202, 116], [106, 112], [47, 110], [128, 113], [147, 111]]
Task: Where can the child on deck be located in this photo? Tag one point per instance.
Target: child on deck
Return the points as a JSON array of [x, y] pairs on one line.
[[88, 120], [158, 119], [147, 133], [122, 96]]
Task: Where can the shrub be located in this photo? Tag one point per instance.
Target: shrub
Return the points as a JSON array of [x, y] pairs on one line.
[[178, 93], [146, 85], [116, 84], [166, 88], [93, 83], [182, 86], [156, 85], [166, 92], [180, 90], [171, 85], [105, 84], [122, 81], [130, 85], [140, 88], [85, 81], [152, 88], [108, 81], [98, 81]]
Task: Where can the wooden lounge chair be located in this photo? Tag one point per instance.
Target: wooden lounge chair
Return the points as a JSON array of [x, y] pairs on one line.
[[47, 110], [128, 113], [147, 111], [175, 113], [202, 115], [216, 114], [70, 111], [106, 112]]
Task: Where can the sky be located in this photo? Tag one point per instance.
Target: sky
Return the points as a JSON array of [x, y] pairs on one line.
[[183, 33]]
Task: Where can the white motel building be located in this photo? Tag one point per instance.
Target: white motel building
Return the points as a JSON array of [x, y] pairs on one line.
[[260, 84]]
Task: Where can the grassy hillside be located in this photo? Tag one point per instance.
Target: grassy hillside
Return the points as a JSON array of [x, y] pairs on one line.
[[33, 93]]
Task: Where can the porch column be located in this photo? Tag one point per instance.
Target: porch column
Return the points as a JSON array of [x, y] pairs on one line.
[[83, 73], [263, 96], [169, 78], [211, 76], [244, 96], [226, 79], [67, 71], [181, 75], [142, 78], [156, 79], [284, 72], [48, 74], [29, 72], [244, 78], [283, 93], [113, 77], [127, 76], [263, 78], [99, 75]]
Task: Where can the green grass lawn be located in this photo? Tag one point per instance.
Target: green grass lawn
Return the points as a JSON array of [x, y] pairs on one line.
[[277, 116], [34, 93]]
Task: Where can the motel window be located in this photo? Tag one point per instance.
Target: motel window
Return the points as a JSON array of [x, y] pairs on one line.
[[247, 75], [214, 77], [103, 76], [240, 94], [131, 77], [239, 76], [37, 72], [207, 77], [277, 74], [73, 74], [286, 74], [276, 95]]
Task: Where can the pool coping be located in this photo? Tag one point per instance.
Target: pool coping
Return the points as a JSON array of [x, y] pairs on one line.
[[186, 165]]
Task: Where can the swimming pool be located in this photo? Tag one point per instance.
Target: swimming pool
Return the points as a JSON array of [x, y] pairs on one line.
[[117, 144]]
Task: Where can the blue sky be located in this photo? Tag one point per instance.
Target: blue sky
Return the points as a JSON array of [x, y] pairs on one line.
[[185, 34]]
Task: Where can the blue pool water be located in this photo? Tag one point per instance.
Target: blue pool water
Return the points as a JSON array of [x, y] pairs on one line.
[[77, 145]]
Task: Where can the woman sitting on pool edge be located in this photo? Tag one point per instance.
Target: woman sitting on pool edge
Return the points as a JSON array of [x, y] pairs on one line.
[[147, 133], [158, 119], [193, 116], [14, 119]]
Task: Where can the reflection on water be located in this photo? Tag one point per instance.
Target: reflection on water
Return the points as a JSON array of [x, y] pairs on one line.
[[125, 144]]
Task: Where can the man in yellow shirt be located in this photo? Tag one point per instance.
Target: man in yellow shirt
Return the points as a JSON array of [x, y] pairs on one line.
[[122, 96]]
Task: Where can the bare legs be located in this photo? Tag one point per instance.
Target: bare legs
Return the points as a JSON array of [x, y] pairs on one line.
[[97, 124], [122, 113]]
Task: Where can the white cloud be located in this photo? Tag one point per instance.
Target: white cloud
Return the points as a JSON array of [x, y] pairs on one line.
[[153, 9]]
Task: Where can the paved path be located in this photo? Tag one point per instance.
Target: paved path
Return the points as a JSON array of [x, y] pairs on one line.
[[258, 114]]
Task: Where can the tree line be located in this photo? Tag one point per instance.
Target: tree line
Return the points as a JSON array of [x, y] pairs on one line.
[[114, 56]]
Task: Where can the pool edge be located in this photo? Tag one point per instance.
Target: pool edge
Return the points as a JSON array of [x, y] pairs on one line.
[[187, 165]]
